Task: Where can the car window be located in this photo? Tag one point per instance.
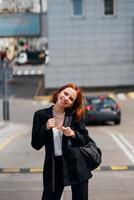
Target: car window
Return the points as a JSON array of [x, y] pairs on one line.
[[104, 102], [95, 102], [108, 102]]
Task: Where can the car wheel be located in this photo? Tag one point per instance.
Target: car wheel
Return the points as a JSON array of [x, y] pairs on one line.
[[117, 121]]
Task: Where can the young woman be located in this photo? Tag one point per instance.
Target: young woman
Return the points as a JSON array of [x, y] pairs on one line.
[[51, 128]]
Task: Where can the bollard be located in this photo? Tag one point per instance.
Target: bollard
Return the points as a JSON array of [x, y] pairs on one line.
[[6, 110]]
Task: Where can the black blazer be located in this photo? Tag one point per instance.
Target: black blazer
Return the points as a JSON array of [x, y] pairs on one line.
[[74, 167]]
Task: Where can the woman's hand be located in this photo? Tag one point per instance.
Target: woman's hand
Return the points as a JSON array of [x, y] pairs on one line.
[[67, 131], [50, 123]]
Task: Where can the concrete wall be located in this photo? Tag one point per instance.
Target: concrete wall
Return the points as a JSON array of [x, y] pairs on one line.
[[94, 50]]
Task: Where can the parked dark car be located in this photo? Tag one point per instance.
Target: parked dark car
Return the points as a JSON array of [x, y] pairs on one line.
[[101, 109]]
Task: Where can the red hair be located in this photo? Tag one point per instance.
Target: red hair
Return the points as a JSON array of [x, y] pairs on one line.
[[3, 55], [78, 105]]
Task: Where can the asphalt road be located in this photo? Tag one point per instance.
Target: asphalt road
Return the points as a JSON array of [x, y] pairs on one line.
[[116, 142]]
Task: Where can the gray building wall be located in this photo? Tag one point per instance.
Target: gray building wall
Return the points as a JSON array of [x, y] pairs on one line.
[[94, 50], [44, 25]]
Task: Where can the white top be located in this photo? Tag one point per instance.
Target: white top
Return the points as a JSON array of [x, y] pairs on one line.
[[57, 135]]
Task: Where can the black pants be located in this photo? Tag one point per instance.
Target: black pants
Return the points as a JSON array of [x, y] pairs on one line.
[[79, 191]]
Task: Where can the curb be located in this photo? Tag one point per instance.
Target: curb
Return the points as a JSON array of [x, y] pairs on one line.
[[21, 170], [40, 170], [116, 168]]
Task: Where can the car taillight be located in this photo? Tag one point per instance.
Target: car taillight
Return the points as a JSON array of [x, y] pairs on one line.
[[117, 106], [89, 107]]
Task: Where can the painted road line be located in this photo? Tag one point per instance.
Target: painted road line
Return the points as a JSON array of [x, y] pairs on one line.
[[5, 141], [35, 170], [123, 143], [114, 168], [11, 170], [118, 168]]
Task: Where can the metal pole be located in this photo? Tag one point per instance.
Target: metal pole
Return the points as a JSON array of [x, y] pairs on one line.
[[40, 6], [5, 101], [5, 86]]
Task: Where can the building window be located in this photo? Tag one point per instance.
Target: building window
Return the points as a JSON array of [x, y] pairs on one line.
[[77, 7], [108, 7]]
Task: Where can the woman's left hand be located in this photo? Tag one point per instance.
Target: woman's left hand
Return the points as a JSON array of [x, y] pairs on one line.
[[67, 131]]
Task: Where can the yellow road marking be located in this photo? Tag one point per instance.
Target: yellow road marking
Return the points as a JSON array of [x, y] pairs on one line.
[[8, 140], [119, 167], [11, 170], [36, 170]]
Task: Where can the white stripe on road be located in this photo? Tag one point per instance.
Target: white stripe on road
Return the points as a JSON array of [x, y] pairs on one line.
[[123, 143]]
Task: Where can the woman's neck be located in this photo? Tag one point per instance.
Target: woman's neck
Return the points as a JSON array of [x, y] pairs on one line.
[[58, 109]]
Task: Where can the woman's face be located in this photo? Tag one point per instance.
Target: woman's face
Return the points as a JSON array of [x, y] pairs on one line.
[[67, 97]]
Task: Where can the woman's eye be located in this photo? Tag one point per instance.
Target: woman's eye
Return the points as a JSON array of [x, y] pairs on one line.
[[66, 93], [71, 99]]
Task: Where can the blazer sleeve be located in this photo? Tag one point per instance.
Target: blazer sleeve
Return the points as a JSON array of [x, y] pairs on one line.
[[39, 132], [81, 133]]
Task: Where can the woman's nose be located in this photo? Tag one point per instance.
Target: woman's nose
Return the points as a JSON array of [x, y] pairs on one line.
[[66, 98]]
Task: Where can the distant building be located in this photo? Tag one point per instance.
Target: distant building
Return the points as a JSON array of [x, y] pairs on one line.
[[23, 21], [91, 43]]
